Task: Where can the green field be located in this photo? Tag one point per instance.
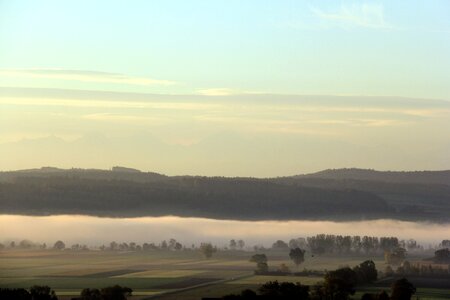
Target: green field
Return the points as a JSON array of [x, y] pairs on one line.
[[162, 274]]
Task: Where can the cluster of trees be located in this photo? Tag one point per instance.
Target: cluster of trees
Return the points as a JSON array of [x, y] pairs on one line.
[[297, 255], [23, 244], [317, 245], [337, 285], [442, 256], [236, 245], [115, 292], [327, 243], [420, 269], [338, 244], [36, 292], [395, 256], [207, 249], [261, 263]]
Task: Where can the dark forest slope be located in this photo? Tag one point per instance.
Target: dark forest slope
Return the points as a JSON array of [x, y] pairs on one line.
[[126, 192]]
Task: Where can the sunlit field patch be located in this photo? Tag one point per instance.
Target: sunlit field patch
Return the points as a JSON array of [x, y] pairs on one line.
[[258, 280], [162, 274]]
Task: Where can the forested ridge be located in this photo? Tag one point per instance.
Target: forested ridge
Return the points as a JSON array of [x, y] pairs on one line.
[[123, 192]]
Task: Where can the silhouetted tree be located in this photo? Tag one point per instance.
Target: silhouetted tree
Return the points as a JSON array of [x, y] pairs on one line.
[[25, 244], [445, 243], [261, 263], [396, 256], [280, 245], [284, 290], [115, 292], [366, 272], [90, 294], [340, 284], [14, 294], [381, 296], [246, 294], [233, 244], [402, 289], [297, 255], [59, 245], [241, 244], [257, 258], [164, 245], [207, 249], [42, 293], [388, 271], [442, 255]]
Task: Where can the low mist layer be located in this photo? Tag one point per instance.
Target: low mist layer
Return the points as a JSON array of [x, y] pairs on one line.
[[97, 231]]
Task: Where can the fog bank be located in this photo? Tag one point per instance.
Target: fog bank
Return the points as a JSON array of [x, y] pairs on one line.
[[97, 231]]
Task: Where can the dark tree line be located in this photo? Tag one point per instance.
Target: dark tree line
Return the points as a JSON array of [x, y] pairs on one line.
[[36, 292], [115, 292], [217, 198], [339, 284]]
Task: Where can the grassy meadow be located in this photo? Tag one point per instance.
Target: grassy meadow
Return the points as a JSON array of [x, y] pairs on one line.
[[163, 274]]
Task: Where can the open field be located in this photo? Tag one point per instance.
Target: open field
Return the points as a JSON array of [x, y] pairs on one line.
[[162, 274]]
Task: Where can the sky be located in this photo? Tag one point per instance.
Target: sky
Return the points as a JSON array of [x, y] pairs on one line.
[[227, 88]]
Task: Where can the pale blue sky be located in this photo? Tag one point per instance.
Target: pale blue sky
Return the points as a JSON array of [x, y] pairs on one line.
[[201, 87], [288, 47]]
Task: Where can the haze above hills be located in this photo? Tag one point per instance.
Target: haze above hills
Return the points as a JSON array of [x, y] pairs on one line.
[[340, 194]]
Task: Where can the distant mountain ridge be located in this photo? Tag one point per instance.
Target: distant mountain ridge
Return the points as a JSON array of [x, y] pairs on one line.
[[425, 177], [342, 194]]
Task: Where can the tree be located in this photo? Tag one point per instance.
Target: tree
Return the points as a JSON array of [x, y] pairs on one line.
[[257, 258], [340, 284], [388, 271], [233, 244], [241, 244], [402, 289], [59, 245], [16, 294], [284, 290], [366, 272], [261, 263], [25, 244], [262, 267], [164, 245], [116, 292], [178, 246], [297, 255], [207, 249], [91, 294], [442, 255], [42, 293], [280, 245], [396, 256], [445, 243], [297, 243], [246, 294], [113, 246]]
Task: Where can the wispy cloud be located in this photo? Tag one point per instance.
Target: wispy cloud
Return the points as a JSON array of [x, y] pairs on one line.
[[186, 106], [217, 92], [123, 118], [226, 92], [356, 15], [83, 75]]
